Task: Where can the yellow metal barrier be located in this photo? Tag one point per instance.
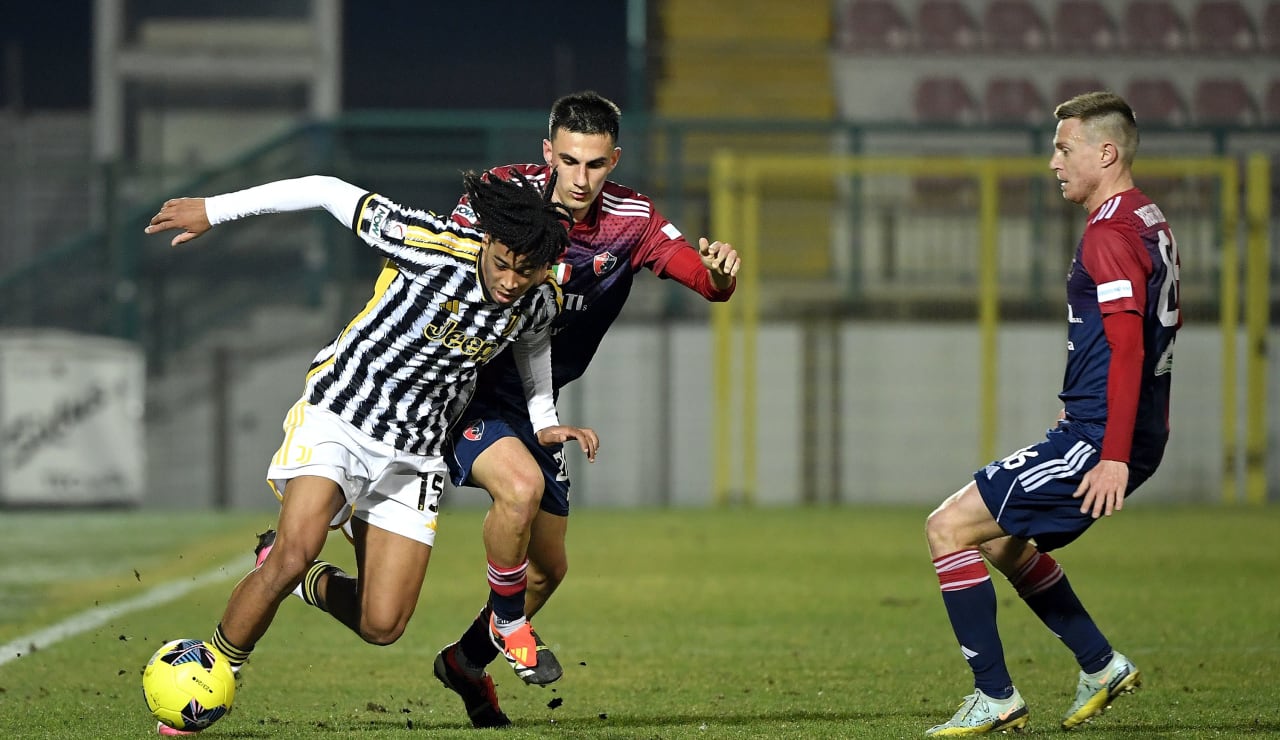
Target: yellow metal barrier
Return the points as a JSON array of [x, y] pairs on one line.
[[1257, 304], [736, 191]]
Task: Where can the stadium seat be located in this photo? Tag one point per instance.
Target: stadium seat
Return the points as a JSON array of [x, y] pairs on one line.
[[1014, 25], [1084, 26], [1224, 101], [873, 26], [1069, 87], [1223, 26], [1156, 100], [1154, 25], [1014, 100], [944, 100], [1270, 40], [946, 26], [1271, 103]]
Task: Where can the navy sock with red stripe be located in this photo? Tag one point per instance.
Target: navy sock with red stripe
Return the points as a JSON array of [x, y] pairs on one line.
[[506, 591], [970, 599], [1045, 588]]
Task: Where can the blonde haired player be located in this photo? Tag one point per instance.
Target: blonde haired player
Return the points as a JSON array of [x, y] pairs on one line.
[[1122, 318]]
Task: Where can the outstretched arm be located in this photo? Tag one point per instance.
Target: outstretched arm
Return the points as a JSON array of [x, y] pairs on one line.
[[710, 269], [195, 216]]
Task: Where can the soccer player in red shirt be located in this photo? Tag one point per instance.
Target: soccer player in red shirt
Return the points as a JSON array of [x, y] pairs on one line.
[[617, 232], [1123, 315]]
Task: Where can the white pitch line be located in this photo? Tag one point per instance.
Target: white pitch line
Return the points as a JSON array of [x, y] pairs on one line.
[[100, 615]]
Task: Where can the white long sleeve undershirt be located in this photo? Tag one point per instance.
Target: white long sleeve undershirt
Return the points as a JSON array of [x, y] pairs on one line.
[[532, 355], [338, 197]]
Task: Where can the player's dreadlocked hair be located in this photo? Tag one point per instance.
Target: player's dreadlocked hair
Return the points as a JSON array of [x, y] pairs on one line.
[[515, 213], [585, 112]]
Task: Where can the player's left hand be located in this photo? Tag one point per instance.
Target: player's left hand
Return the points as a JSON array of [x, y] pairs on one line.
[[1103, 488], [587, 438], [720, 259]]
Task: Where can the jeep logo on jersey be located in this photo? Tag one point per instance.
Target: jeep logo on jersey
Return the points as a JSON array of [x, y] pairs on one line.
[[450, 336], [603, 263], [475, 431]]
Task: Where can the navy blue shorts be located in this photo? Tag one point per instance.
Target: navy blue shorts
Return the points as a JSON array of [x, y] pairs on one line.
[[474, 436], [1029, 492]]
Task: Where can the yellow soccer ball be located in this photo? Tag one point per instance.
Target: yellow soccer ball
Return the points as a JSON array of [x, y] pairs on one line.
[[188, 685]]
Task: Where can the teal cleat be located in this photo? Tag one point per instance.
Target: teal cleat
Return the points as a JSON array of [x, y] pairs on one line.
[[979, 714], [1093, 695]]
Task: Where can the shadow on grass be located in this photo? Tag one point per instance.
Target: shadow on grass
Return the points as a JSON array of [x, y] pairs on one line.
[[763, 723], [1246, 726], [606, 722]]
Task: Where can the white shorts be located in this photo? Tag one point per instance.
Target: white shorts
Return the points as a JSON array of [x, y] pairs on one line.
[[390, 489]]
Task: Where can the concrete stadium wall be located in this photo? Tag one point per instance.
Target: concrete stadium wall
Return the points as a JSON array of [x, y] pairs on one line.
[[908, 405]]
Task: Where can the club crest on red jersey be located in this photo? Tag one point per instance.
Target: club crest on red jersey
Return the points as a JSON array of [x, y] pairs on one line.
[[474, 432], [603, 262]]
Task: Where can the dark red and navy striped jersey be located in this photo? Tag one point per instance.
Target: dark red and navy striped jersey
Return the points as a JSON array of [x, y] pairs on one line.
[[1127, 261], [622, 234]]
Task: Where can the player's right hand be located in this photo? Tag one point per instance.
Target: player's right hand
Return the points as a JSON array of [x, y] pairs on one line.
[[187, 214], [1103, 488]]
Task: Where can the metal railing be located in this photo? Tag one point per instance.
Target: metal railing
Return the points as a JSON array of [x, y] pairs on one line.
[[114, 280]]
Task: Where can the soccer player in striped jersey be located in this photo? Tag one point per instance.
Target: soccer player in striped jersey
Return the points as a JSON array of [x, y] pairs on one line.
[[366, 440], [1122, 317], [617, 232]]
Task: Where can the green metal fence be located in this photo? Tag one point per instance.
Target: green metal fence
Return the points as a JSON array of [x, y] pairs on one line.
[[117, 281]]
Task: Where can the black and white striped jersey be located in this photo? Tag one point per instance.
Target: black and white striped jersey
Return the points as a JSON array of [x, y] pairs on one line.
[[403, 369]]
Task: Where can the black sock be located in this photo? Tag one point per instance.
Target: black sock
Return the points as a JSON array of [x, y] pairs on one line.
[[311, 583], [475, 644]]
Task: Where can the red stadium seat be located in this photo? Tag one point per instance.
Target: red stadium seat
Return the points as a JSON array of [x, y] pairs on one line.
[[1270, 40], [1156, 101], [1084, 26], [1014, 25], [944, 100], [1154, 25], [873, 26], [1069, 87], [1014, 100], [946, 26], [1223, 26], [1224, 101], [1271, 103]]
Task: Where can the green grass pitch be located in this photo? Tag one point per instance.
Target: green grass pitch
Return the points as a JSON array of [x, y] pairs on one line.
[[742, 623]]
